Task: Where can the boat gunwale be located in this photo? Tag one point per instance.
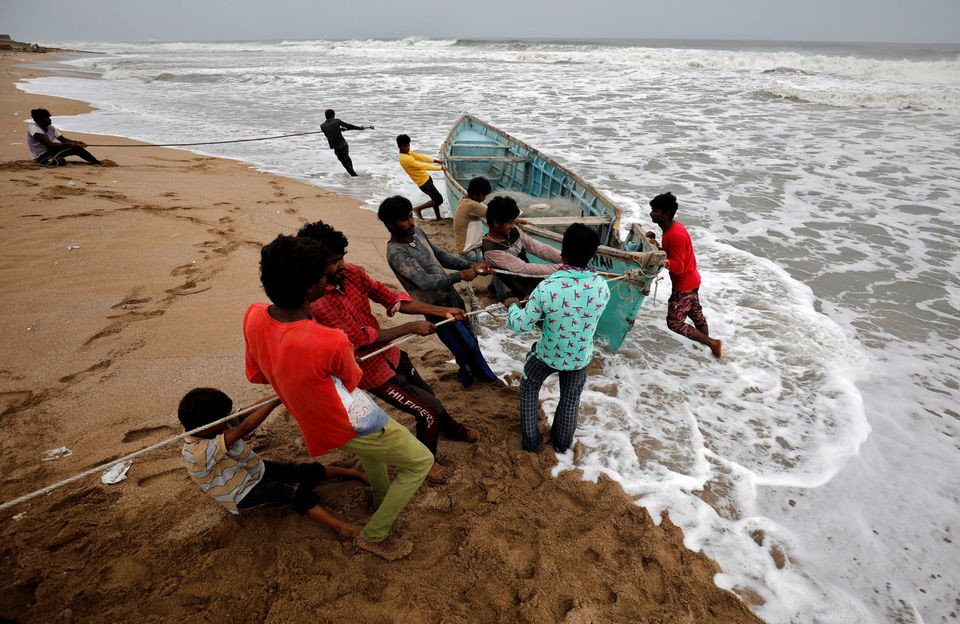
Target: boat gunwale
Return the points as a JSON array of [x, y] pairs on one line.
[[614, 225], [641, 258]]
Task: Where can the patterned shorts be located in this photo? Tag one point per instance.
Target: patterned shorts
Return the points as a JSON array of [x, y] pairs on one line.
[[684, 305]]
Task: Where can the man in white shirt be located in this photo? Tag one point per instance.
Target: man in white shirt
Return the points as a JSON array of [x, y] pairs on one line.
[[41, 137]]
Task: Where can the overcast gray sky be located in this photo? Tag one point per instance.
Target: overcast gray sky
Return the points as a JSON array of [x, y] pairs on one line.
[[918, 21]]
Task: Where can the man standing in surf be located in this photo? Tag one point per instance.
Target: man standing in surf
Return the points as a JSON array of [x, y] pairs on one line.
[[682, 264], [418, 167]]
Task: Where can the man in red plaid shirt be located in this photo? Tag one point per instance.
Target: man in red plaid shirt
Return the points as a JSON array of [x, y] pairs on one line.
[[390, 375]]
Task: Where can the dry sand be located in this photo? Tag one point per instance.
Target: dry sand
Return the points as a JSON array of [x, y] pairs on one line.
[[123, 287]]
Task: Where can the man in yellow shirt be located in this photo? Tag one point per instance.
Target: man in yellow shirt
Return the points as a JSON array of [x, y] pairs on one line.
[[417, 165]]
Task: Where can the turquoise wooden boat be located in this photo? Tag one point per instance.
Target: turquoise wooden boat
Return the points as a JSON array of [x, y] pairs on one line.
[[475, 148]]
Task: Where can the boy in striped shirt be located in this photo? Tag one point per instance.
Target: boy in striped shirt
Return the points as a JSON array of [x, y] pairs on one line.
[[224, 467]]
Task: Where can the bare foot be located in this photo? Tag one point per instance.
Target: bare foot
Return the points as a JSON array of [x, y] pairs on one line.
[[437, 475], [471, 435], [348, 530], [390, 549], [716, 347], [418, 212]]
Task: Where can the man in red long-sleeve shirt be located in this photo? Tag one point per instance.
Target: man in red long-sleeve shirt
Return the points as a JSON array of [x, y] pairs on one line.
[[682, 264]]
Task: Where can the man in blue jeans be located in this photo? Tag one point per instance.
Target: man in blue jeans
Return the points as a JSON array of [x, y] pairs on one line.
[[428, 274], [569, 304]]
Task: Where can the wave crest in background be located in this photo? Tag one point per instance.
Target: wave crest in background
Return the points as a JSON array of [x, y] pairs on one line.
[[889, 100]]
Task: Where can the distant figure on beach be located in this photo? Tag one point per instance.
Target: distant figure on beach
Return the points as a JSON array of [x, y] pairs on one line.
[[41, 137], [313, 370], [220, 462], [505, 247], [682, 264], [417, 167], [422, 269], [390, 375], [568, 303], [333, 129]]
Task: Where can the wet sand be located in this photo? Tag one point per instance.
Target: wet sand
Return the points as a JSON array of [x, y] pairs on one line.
[[122, 288]]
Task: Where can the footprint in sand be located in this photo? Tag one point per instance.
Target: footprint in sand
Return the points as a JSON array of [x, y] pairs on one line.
[[654, 580], [80, 375], [135, 435], [164, 475], [131, 300]]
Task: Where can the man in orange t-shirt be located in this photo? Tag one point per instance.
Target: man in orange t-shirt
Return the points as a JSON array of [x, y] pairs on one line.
[[303, 360]]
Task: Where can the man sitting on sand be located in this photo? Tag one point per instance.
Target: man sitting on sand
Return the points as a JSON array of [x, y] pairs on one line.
[[333, 129], [569, 303], [41, 135], [682, 264], [390, 375], [221, 463], [422, 268], [308, 365], [417, 167], [505, 247]]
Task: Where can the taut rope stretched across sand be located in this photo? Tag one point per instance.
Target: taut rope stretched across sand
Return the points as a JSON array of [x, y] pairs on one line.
[[86, 473]]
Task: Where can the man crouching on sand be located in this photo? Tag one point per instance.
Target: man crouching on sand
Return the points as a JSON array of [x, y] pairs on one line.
[[221, 463], [682, 264], [313, 371]]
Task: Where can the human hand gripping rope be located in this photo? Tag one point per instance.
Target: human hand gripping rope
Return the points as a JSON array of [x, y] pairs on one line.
[[632, 274], [243, 412]]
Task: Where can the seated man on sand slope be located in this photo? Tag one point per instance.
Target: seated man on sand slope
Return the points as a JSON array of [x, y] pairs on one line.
[[506, 247], [390, 375], [421, 268], [41, 135], [313, 371], [684, 302]]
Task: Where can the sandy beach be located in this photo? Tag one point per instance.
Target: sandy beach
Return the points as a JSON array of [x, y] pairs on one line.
[[123, 287]]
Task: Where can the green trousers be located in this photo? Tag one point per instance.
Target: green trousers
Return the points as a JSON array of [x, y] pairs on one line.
[[394, 446]]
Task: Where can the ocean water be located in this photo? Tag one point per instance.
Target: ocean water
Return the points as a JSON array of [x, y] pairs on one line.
[[819, 465]]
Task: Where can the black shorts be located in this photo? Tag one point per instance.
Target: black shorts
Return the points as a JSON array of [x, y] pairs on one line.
[[432, 191], [286, 484]]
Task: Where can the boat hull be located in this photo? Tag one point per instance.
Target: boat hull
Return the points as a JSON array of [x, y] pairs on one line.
[[475, 148]]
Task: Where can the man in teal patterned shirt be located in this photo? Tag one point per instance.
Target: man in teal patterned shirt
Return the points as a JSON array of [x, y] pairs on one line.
[[569, 303]]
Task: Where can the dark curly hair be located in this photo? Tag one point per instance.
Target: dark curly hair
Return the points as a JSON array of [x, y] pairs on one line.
[[580, 244], [394, 209], [333, 240], [502, 209], [201, 406], [289, 266], [665, 202]]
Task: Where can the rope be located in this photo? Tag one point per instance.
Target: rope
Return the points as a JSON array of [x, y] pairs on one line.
[[629, 274], [266, 138], [474, 305], [110, 464], [50, 488]]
